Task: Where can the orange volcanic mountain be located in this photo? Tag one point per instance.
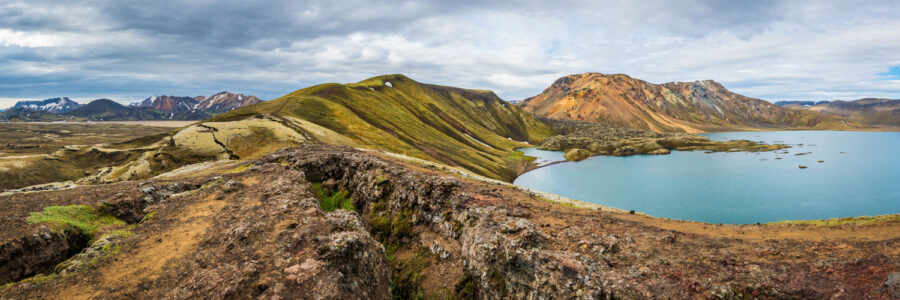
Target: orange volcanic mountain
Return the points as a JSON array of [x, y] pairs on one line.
[[698, 106]]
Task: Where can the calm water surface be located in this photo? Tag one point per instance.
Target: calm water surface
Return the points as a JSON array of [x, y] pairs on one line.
[[860, 175]]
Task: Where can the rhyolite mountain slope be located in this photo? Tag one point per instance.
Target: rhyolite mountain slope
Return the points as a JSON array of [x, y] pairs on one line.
[[173, 108], [52, 105], [472, 129], [223, 102], [872, 111], [670, 107], [169, 104]]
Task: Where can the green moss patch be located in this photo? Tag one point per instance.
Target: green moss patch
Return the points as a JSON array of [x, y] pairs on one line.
[[84, 218], [467, 288], [331, 201], [407, 275], [148, 217], [863, 220], [240, 168], [30, 280]]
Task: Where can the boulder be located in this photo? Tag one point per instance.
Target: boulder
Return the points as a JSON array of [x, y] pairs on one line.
[[577, 154]]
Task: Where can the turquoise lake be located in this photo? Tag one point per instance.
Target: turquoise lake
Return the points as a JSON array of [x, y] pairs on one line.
[[860, 176]]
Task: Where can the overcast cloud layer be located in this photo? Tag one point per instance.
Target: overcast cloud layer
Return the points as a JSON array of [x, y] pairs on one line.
[[129, 50]]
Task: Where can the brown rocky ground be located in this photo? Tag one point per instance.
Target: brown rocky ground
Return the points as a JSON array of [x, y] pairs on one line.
[[260, 231]]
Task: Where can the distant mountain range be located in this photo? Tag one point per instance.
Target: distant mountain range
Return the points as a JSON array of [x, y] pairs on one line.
[[215, 104], [873, 111], [153, 108], [670, 107]]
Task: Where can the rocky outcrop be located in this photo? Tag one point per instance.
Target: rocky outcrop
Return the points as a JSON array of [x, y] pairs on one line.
[[892, 285], [36, 253], [130, 207], [503, 254]]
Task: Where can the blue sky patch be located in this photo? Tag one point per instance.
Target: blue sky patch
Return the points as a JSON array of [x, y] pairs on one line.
[[892, 73]]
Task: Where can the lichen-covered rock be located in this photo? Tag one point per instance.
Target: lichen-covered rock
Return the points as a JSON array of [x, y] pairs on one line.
[[576, 154], [892, 284], [101, 248]]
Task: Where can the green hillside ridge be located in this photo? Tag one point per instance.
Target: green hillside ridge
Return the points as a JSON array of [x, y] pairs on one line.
[[473, 129]]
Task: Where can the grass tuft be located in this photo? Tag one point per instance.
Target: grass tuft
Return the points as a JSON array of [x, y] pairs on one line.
[[148, 217], [239, 169]]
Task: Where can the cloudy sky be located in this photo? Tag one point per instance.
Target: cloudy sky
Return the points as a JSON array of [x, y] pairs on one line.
[[128, 50]]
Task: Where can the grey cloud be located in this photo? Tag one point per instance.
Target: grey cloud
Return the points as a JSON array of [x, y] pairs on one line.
[[771, 49]]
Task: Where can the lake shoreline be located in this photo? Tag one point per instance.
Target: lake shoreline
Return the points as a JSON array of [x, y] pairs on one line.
[[823, 160]]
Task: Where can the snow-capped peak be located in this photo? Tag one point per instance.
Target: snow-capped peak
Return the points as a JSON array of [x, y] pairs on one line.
[[53, 105]]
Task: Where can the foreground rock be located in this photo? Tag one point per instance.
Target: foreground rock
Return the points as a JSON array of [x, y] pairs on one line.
[[602, 139], [409, 231]]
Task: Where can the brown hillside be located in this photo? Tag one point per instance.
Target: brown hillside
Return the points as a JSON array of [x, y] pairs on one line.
[[671, 107]]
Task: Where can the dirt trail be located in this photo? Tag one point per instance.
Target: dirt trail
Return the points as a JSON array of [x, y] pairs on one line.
[[154, 252], [875, 232]]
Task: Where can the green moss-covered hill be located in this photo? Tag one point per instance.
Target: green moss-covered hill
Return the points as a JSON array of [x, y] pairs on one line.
[[472, 129]]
